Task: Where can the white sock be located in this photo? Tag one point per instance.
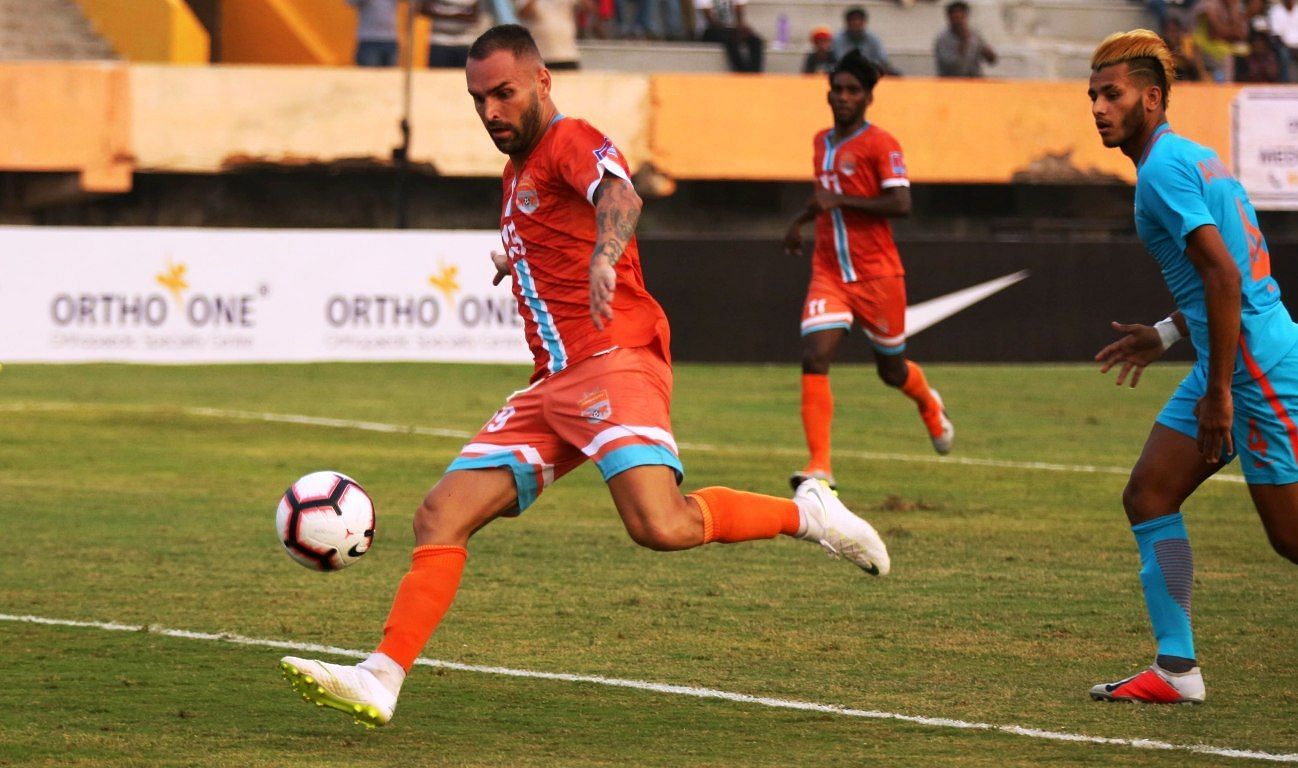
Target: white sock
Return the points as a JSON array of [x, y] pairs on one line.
[[385, 670], [808, 526]]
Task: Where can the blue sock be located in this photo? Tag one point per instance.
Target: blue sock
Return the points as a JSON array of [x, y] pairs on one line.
[[1167, 574]]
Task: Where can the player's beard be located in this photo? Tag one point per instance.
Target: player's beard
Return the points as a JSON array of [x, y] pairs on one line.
[[1132, 121], [525, 133]]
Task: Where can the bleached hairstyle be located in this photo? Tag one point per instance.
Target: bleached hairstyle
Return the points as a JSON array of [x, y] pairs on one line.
[[1145, 53]]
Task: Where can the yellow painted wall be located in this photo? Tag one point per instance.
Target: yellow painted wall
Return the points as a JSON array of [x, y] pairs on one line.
[[761, 127], [150, 30], [297, 32], [69, 118]]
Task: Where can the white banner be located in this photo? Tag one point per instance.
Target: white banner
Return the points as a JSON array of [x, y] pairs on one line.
[[1264, 143], [207, 296]]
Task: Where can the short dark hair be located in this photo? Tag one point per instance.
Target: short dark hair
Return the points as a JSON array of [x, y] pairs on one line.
[[505, 37], [856, 65], [855, 10], [957, 5]]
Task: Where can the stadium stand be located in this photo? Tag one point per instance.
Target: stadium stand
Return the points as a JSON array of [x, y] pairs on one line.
[[1036, 39], [49, 30]]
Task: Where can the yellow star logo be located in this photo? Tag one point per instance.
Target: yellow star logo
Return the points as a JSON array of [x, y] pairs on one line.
[[173, 279], [447, 281]]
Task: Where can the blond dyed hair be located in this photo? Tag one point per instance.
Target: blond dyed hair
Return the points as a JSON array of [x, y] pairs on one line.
[[1144, 51]]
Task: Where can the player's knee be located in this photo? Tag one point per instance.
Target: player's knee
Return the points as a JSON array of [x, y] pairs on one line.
[[428, 518], [894, 375], [814, 361], [664, 533], [1286, 546], [1142, 501]]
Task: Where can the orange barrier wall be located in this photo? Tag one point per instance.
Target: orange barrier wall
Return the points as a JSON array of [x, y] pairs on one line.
[[103, 120], [69, 118], [761, 127], [296, 32], [150, 30]]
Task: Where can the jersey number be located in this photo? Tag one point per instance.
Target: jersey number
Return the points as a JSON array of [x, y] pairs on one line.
[[513, 243], [1258, 255], [497, 422], [815, 307], [829, 180]]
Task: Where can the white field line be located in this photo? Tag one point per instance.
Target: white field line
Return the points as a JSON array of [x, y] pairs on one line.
[[680, 690], [798, 453]]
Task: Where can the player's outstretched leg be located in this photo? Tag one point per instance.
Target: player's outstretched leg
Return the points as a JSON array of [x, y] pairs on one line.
[[658, 517], [906, 375], [462, 502]]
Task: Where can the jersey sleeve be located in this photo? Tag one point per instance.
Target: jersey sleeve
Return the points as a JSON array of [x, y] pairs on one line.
[[584, 155], [1175, 197], [889, 164]]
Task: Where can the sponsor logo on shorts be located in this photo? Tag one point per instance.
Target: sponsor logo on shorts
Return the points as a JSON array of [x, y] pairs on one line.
[[595, 407]]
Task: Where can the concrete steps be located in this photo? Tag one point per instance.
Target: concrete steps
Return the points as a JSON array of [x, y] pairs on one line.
[[48, 30], [1036, 39]]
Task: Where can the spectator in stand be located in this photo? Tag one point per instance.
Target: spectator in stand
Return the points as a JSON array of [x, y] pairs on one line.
[[856, 37], [1261, 65], [376, 32], [723, 22], [553, 24], [959, 49], [1220, 32], [1188, 62], [456, 24], [1283, 17], [821, 60], [665, 25], [1259, 20]]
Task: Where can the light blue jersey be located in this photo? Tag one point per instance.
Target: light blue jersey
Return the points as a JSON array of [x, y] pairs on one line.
[[1181, 186]]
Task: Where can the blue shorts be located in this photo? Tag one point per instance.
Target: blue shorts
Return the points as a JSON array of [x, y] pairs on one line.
[[1264, 431]]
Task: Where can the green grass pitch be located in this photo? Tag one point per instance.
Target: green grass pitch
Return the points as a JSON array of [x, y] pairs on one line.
[[1014, 589]]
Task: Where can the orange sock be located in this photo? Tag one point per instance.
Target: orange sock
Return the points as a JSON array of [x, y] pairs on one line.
[[917, 389], [423, 597], [817, 416], [731, 516]]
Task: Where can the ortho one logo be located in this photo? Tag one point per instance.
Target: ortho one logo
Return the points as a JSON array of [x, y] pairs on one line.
[[109, 309], [380, 310]]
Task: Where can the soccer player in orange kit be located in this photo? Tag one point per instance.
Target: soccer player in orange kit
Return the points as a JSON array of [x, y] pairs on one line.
[[856, 272], [601, 389]]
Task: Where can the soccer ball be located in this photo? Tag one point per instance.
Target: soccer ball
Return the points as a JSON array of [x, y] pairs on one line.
[[325, 521]]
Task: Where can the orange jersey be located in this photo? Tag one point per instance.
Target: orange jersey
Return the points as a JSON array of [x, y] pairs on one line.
[[849, 243], [547, 224]]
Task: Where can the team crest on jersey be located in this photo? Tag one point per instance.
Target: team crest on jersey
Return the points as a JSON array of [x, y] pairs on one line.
[[847, 164], [595, 407], [897, 163], [525, 196], [605, 150]]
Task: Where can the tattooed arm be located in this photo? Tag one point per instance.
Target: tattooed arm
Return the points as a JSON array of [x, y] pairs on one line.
[[617, 209]]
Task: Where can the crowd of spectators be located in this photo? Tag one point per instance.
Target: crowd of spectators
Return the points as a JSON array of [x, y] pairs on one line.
[[1253, 41]]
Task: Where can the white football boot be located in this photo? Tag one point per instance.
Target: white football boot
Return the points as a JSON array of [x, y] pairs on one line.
[[350, 689], [803, 475], [943, 441], [839, 531]]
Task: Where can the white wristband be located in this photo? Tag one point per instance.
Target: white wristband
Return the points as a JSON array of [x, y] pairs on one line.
[[1168, 333]]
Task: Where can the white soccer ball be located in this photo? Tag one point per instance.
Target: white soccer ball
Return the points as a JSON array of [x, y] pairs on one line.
[[325, 521]]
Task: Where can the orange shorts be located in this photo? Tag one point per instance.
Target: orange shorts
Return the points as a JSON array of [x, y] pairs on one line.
[[878, 304], [613, 408]]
